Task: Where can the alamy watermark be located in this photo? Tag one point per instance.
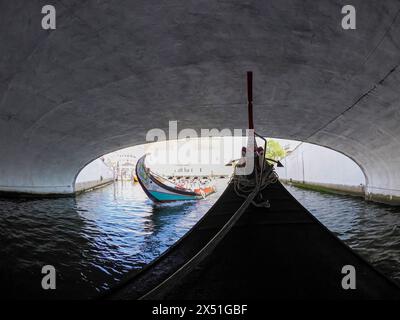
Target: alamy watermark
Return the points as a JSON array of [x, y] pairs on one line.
[[49, 19], [349, 20], [49, 280], [349, 280], [206, 147]]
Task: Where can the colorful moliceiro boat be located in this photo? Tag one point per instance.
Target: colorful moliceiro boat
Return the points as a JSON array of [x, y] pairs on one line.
[[160, 189]]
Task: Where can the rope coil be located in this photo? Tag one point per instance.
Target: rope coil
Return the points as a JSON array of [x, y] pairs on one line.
[[244, 185]]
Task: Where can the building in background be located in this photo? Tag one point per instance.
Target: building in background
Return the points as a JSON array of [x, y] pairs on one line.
[[320, 168], [96, 174]]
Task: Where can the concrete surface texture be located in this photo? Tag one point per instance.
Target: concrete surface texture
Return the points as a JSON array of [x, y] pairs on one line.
[[113, 70]]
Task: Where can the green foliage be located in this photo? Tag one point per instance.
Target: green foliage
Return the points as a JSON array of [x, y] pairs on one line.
[[275, 150]]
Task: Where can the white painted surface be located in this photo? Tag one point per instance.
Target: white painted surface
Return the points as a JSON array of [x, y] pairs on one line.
[[95, 173], [315, 164]]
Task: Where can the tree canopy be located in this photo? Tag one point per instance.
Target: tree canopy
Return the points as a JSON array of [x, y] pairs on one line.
[[275, 150]]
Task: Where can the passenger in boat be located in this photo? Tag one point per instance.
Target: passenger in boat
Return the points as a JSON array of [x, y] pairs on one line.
[[260, 155], [180, 183], [196, 184], [242, 161]]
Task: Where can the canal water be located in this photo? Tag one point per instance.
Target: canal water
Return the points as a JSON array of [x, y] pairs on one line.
[[370, 229], [93, 240]]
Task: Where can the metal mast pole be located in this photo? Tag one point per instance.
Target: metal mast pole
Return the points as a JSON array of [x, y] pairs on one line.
[[250, 98]]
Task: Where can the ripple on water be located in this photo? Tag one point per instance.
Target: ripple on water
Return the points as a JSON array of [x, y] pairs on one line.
[[371, 229], [92, 240], [95, 239]]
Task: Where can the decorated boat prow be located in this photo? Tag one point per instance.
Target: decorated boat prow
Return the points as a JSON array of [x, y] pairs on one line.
[[160, 189]]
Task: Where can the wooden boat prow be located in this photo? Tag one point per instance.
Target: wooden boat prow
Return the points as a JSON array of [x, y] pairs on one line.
[[160, 189]]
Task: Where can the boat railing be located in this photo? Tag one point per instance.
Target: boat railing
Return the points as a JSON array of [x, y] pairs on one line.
[[162, 179]]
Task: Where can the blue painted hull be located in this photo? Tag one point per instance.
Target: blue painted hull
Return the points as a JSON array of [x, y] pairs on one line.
[[159, 192], [161, 196]]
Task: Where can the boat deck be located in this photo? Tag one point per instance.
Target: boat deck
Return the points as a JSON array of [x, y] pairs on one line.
[[280, 252]]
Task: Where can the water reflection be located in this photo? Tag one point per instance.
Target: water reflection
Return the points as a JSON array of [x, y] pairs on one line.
[[95, 239], [371, 229], [91, 240]]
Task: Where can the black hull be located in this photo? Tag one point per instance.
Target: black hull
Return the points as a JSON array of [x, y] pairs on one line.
[[277, 253]]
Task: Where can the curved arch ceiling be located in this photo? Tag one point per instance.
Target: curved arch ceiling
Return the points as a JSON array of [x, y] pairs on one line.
[[111, 71]]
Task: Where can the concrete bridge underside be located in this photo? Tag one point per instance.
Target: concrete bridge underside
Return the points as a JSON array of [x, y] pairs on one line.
[[114, 69]]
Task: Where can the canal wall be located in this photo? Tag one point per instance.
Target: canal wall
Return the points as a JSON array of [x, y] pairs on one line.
[[96, 174], [322, 169]]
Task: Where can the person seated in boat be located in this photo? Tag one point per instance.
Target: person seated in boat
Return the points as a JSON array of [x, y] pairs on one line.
[[197, 184], [242, 161], [180, 184], [260, 155]]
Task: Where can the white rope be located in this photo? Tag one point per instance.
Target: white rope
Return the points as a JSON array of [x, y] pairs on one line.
[[244, 185]]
